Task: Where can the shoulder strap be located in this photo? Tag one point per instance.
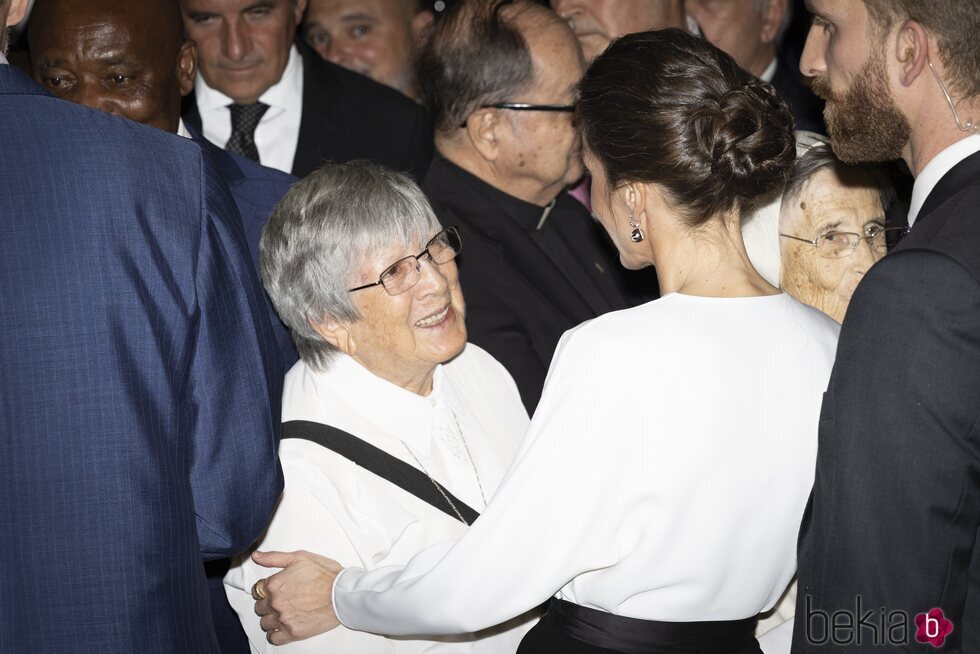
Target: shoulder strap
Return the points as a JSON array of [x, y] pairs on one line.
[[384, 465]]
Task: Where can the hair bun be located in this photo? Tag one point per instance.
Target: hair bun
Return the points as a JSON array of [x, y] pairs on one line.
[[746, 138]]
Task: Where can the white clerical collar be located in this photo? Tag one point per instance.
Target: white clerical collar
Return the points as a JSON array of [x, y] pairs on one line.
[[182, 130], [399, 412], [769, 72], [287, 93], [936, 169]]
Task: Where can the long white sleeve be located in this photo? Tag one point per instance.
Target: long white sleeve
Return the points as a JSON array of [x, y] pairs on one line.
[[661, 432]]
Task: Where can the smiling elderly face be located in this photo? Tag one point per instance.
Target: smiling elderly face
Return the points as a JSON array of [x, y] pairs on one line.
[[401, 338], [832, 200]]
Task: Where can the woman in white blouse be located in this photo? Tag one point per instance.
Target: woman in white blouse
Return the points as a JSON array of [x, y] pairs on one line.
[[658, 493], [363, 274]]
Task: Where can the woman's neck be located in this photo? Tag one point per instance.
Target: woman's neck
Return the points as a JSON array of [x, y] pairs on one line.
[[709, 261]]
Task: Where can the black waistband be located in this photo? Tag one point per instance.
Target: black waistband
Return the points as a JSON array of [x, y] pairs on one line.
[[634, 636]]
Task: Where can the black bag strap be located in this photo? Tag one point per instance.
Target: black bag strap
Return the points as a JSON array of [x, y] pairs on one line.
[[384, 465]]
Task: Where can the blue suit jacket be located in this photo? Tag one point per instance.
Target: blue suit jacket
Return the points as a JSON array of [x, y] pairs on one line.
[[256, 189], [139, 382]]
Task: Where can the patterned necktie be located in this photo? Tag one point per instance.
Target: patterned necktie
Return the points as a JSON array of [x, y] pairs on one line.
[[244, 119]]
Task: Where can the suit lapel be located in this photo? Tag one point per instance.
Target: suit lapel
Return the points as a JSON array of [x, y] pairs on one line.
[[962, 175]]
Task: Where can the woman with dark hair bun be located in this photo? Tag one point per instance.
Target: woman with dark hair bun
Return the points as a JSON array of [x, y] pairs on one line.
[[658, 493]]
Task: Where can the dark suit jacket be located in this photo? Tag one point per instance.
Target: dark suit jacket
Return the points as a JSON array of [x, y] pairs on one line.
[[139, 394], [895, 510], [523, 286], [807, 108], [256, 190], [347, 116]]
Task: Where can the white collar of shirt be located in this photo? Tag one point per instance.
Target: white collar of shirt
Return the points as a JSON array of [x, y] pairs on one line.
[[182, 130], [3, 60], [769, 72], [401, 413], [936, 169], [287, 93], [277, 134]]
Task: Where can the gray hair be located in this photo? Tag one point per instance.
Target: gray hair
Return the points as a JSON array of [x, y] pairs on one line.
[[322, 232], [815, 154], [475, 55]]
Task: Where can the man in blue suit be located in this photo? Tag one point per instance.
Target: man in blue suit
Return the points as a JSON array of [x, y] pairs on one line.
[[131, 59], [139, 380], [76, 46]]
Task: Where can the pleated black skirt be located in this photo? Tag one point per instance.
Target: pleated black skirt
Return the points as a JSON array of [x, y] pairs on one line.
[[568, 628]]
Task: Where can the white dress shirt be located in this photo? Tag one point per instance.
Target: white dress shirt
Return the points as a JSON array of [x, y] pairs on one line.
[[332, 507], [937, 167], [277, 135], [663, 477], [3, 59]]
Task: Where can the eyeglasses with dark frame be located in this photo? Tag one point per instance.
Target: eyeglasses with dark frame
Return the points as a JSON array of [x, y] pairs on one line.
[[837, 245], [525, 106], [405, 273]]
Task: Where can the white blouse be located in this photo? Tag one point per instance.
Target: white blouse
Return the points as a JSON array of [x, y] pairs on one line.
[[664, 477], [332, 507]]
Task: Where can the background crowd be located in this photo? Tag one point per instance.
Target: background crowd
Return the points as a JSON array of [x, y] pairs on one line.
[[312, 301]]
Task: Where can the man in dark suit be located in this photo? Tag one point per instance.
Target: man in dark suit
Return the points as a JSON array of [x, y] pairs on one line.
[[751, 31], [889, 556], [262, 95], [139, 378], [76, 45], [534, 263]]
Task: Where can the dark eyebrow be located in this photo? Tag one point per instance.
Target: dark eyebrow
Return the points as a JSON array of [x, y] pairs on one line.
[[349, 18], [830, 227]]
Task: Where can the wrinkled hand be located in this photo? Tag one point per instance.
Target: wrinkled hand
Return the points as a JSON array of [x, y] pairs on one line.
[[298, 600]]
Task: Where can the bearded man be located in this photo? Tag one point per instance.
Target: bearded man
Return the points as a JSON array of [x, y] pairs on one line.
[[890, 535]]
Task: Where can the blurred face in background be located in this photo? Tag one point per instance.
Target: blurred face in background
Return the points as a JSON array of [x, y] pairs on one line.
[[243, 45], [597, 22], [375, 38], [830, 204], [745, 29]]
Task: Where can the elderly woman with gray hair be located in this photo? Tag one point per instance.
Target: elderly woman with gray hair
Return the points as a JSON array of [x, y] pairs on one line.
[[822, 235], [395, 431]]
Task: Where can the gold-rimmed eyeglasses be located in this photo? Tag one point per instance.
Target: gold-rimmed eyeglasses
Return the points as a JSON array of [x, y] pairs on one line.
[[406, 272], [837, 245]]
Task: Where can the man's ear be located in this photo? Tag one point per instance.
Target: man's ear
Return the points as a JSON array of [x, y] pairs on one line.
[[420, 23], [187, 66], [336, 333], [773, 15], [911, 51], [17, 10], [298, 10], [481, 128]]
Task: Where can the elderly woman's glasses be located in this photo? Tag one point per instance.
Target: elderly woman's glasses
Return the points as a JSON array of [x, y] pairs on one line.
[[837, 245], [405, 273]]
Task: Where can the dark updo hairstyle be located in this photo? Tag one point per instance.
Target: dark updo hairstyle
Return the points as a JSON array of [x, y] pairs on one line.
[[669, 108]]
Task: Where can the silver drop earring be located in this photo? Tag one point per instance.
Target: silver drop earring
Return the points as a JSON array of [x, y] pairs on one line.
[[637, 234]]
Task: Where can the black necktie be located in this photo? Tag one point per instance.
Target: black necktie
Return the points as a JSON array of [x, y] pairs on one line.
[[244, 119]]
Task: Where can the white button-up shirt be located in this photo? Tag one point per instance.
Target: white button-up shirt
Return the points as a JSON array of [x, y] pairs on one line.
[[464, 434], [277, 134]]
